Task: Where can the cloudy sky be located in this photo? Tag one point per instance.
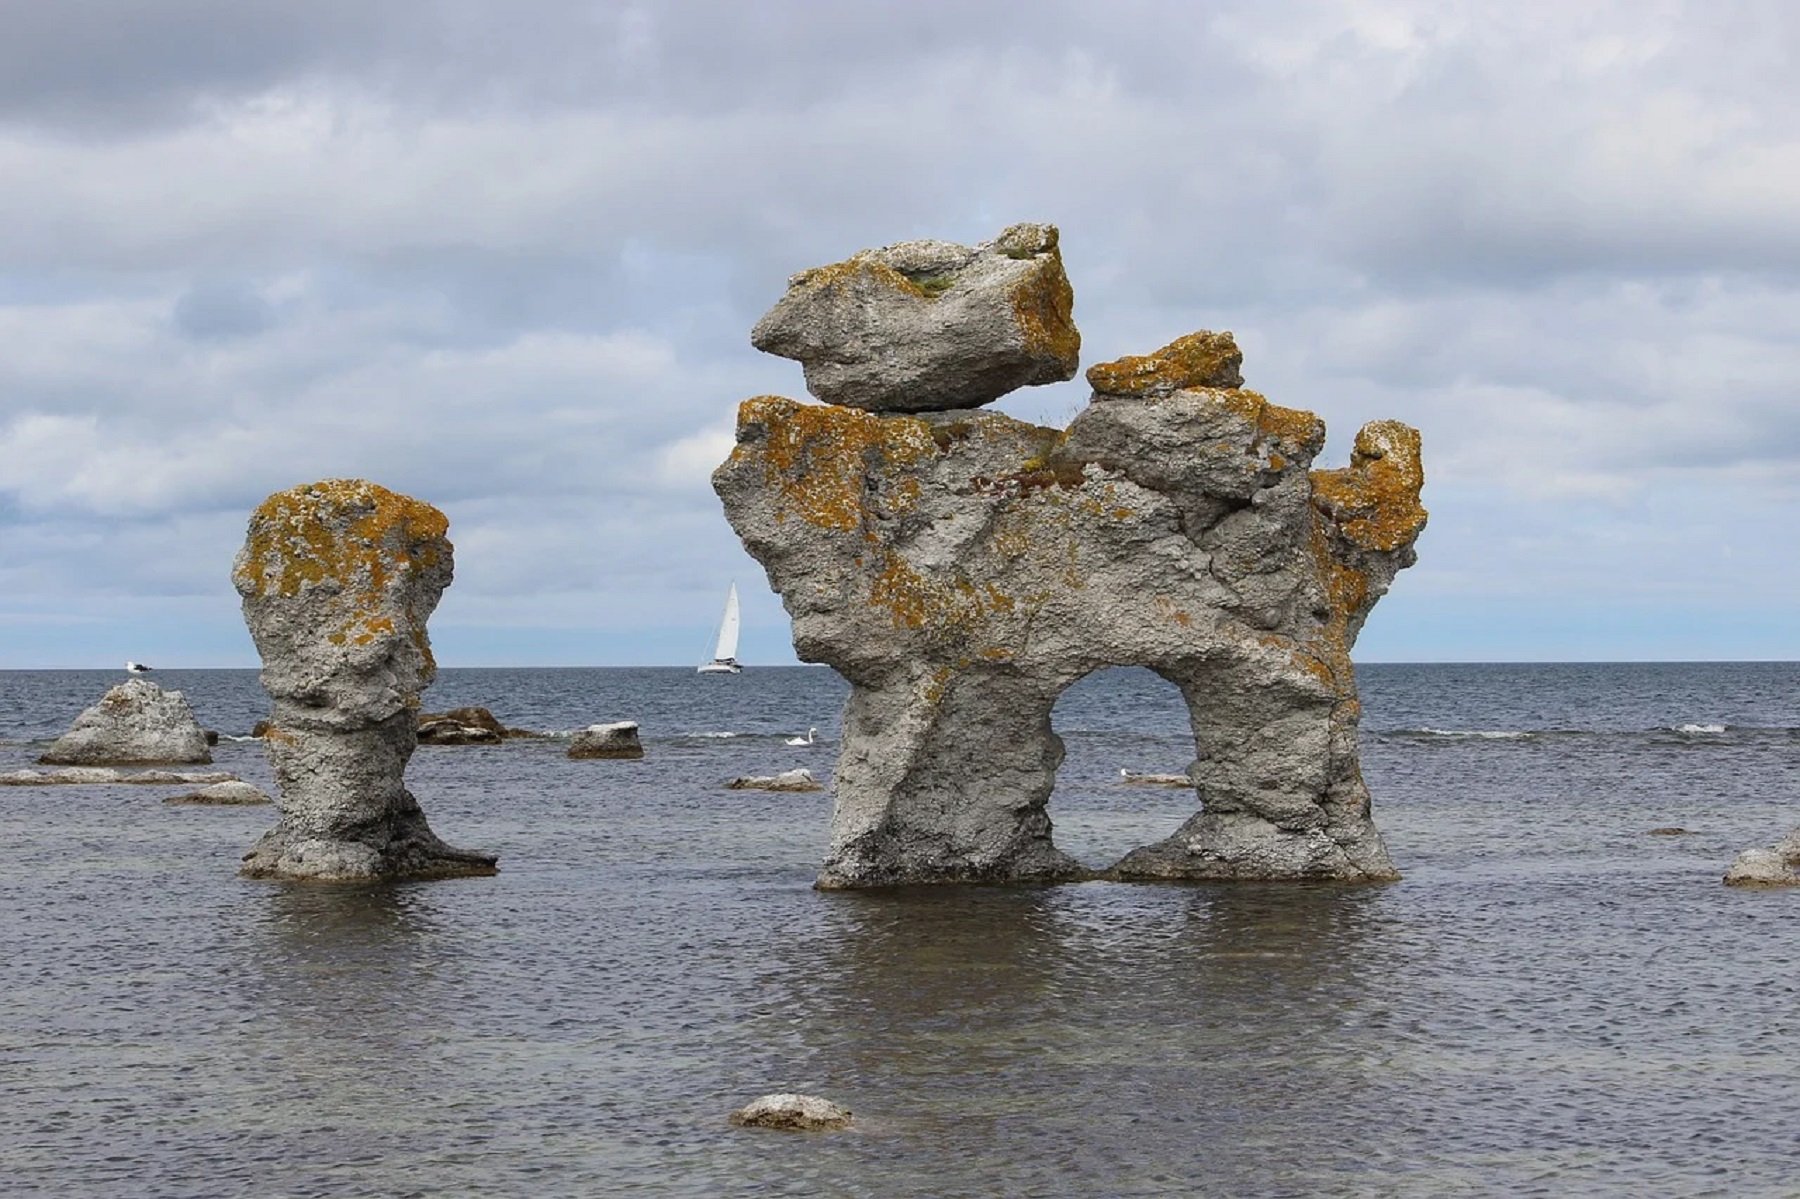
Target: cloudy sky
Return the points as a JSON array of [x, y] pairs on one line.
[[504, 255]]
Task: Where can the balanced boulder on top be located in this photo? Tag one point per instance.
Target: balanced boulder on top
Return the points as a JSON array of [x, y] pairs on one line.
[[925, 326]]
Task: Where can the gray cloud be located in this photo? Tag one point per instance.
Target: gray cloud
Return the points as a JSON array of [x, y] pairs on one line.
[[505, 256]]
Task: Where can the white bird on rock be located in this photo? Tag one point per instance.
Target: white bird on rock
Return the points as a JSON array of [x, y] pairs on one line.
[[806, 740], [137, 668]]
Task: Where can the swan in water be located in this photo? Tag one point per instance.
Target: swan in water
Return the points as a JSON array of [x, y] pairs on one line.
[[806, 740]]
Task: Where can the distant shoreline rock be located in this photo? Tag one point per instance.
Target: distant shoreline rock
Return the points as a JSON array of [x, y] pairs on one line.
[[134, 723], [616, 740], [787, 780]]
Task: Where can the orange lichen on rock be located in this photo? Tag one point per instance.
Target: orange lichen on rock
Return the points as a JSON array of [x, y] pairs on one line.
[[819, 457], [1203, 359], [858, 268], [294, 542], [1374, 502], [1043, 303]]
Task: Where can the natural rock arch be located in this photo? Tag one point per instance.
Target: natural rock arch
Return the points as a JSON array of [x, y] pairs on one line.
[[962, 568]]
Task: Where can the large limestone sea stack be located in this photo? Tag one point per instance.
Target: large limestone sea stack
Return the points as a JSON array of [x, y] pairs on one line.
[[962, 568], [338, 579]]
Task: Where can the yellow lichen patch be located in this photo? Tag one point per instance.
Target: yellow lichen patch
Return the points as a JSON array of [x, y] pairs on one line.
[[1203, 359], [916, 602], [346, 532], [820, 456], [1043, 304], [863, 267], [1374, 502]]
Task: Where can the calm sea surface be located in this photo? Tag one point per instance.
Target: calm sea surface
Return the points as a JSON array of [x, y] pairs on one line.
[[1552, 1002]]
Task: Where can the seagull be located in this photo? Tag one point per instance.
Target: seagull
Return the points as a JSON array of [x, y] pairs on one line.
[[137, 668], [806, 740]]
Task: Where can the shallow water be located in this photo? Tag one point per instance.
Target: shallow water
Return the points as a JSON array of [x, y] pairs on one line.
[[1552, 1002]]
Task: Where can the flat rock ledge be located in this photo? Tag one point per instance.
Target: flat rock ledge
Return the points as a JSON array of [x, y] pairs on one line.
[[228, 794], [616, 740], [1130, 778], [338, 579], [792, 1113], [962, 569], [134, 723], [787, 780], [926, 326], [1778, 866], [107, 775]]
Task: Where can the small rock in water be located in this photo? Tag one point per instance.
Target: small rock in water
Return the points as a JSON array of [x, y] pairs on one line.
[[1669, 830], [1776, 867], [232, 794], [792, 1112], [616, 740], [1128, 779], [135, 722], [787, 780], [104, 775]]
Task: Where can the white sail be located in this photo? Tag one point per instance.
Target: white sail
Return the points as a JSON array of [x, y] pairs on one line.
[[725, 653], [728, 629]]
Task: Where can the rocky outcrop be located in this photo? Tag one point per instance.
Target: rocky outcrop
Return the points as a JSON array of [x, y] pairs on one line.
[[792, 1113], [466, 726], [100, 776], [228, 794], [616, 740], [930, 325], [338, 579], [962, 569], [1777, 866], [135, 722], [787, 780]]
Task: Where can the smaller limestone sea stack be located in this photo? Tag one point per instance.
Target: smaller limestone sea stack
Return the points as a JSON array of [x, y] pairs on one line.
[[1778, 866], [135, 723], [338, 579]]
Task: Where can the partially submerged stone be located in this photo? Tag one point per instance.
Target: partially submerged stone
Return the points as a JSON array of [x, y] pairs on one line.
[[1128, 778], [235, 793], [962, 569], [95, 776], [616, 740], [786, 780], [1777, 866], [1203, 359], [930, 325], [134, 722], [792, 1113], [338, 579]]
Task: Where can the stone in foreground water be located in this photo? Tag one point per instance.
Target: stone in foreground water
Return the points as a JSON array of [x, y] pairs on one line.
[[1777, 866], [338, 579], [795, 1113], [616, 740]]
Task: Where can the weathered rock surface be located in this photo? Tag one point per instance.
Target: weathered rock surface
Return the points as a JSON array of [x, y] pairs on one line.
[[107, 775], [466, 726], [229, 794], [616, 740], [790, 1112], [338, 579], [962, 569], [930, 325], [1777, 866], [787, 780], [135, 722], [1129, 778]]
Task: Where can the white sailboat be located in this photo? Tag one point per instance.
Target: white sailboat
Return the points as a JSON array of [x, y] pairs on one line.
[[725, 653]]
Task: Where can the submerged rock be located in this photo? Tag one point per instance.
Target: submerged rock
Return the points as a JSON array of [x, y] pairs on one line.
[[1778, 866], [930, 325], [338, 579], [235, 793], [787, 780], [1129, 778], [616, 740], [107, 775], [794, 1113], [962, 569], [136, 721]]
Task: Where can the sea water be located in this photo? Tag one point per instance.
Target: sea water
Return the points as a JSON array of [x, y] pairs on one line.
[[1552, 1002]]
